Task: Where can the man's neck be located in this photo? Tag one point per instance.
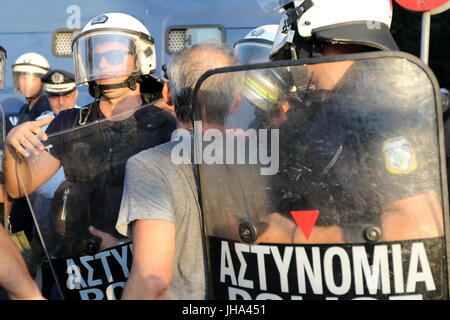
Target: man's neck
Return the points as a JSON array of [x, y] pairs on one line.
[[32, 101], [185, 126], [112, 107]]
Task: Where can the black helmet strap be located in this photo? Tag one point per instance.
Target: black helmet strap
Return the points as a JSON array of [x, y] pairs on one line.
[[97, 90], [295, 13], [296, 46]]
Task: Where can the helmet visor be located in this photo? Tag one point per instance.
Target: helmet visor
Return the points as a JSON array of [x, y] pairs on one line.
[[267, 89], [27, 79], [2, 69], [262, 89], [107, 54], [253, 52]]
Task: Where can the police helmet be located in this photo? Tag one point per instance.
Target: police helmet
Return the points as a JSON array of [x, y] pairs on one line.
[[102, 47], [31, 65], [263, 88], [317, 22], [255, 47], [127, 35]]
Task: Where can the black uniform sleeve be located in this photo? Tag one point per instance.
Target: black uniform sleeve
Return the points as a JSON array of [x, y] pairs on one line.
[[56, 142], [8, 125]]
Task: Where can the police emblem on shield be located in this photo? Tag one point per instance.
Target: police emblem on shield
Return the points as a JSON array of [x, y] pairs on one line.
[[399, 156]]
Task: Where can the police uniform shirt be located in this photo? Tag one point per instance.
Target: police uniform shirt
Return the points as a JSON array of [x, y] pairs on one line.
[[25, 114], [344, 154], [157, 123]]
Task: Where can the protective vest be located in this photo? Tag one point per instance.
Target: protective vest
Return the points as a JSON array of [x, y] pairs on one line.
[[94, 156]]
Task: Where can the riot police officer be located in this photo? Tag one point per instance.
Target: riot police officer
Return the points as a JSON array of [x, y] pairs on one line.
[[114, 54], [27, 71], [14, 276], [316, 34]]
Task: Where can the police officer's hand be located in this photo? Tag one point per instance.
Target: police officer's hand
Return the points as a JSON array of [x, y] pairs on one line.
[[108, 241], [26, 137]]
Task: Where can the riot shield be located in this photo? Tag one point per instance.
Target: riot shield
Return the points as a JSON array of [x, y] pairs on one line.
[[324, 179], [86, 191]]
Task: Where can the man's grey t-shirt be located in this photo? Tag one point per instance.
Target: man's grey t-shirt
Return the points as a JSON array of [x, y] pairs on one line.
[[155, 188]]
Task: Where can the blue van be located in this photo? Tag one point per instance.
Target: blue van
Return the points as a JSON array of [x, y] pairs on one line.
[[47, 27]]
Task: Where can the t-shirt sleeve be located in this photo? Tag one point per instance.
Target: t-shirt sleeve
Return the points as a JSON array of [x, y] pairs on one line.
[[146, 195]]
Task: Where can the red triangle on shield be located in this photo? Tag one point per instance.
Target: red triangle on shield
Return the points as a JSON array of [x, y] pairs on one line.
[[305, 220]]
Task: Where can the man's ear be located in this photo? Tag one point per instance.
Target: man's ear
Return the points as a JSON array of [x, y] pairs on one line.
[[237, 104], [166, 94]]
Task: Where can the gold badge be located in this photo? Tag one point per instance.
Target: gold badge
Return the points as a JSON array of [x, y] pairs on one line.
[[57, 78], [399, 156]]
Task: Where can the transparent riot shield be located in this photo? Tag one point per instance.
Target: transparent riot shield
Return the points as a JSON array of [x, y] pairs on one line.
[[86, 192], [323, 179]]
